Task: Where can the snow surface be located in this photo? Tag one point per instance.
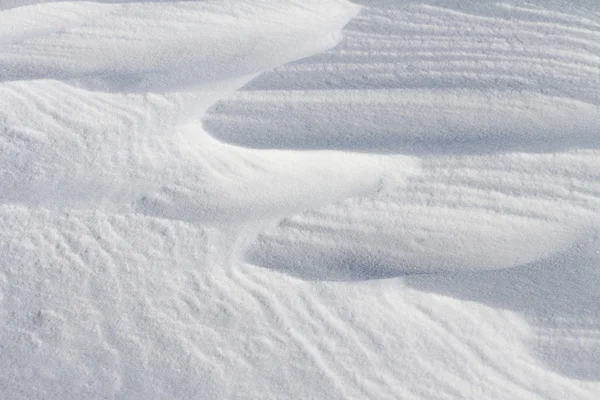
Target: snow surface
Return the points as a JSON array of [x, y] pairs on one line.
[[286, 199]]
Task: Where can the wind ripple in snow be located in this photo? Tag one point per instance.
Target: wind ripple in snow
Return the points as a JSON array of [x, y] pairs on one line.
[[128, 299], [500, 103], [124, 151], [475, 204], [417, 78]]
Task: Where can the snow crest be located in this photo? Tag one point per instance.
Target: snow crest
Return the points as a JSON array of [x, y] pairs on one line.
[[201, 199]]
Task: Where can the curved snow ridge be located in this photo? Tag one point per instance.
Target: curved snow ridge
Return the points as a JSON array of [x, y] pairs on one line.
[[96, 305], [160, 46], [145, 158], [129, 306], [420, 78], [237, 185], [454, 216], [68, 147], [468, 90], [409, 121]]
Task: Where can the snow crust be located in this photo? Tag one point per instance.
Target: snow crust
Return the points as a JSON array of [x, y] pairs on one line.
[[299, 199]]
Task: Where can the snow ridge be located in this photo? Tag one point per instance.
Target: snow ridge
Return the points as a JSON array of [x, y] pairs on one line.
[[200, 199]]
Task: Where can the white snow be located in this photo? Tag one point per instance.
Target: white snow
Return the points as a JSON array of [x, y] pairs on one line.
[[286, 199]]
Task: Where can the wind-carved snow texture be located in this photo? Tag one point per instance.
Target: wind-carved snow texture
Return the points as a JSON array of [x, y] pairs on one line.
[[448, 147], [501, 104]]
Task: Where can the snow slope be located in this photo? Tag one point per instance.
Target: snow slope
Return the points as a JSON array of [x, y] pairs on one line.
[[300, 199]]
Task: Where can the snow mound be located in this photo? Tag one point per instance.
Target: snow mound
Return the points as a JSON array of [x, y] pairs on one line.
[[164, 234]]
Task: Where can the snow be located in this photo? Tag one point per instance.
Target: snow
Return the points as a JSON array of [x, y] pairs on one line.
[[285, 199]]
